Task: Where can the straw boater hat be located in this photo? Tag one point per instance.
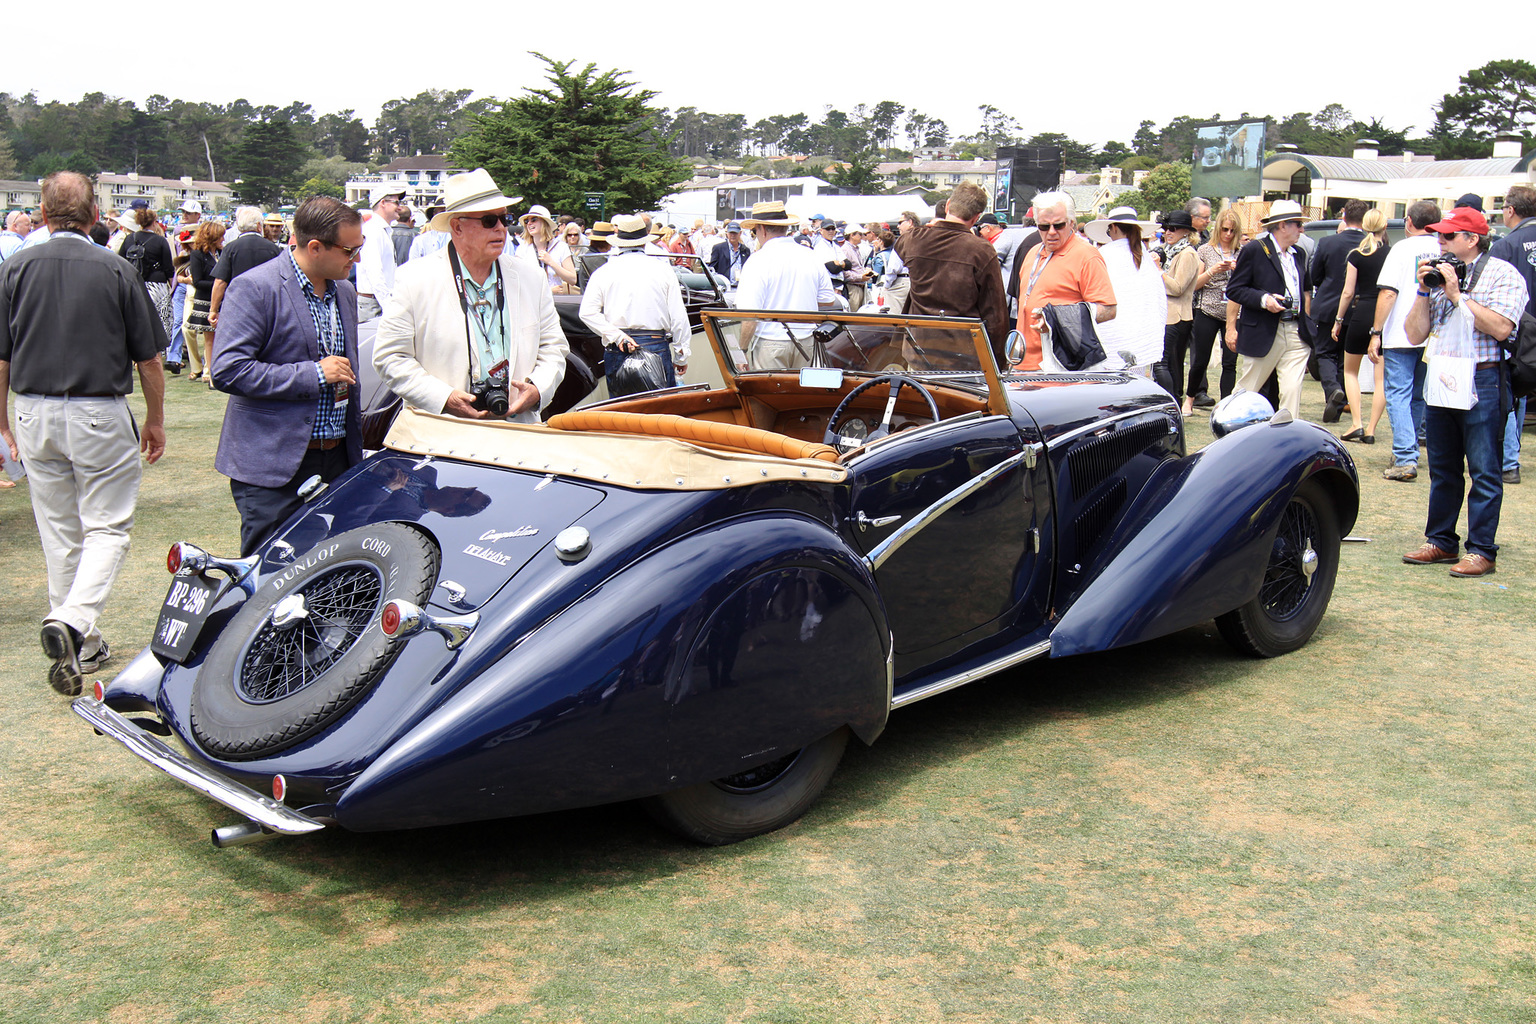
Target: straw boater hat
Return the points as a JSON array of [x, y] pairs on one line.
[[275, 219], [471, 192], [602, 231], [1281, 211], [629, 232], [770, 214], [1125, 216], [539, 213]]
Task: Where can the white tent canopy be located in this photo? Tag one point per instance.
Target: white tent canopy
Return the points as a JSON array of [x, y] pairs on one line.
[[859, 209]]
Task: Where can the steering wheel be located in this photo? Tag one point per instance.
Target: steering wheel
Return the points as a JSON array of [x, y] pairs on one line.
[[897, 381]]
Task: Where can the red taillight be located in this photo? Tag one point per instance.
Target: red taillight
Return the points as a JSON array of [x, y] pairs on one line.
[[279, 788], [173, 559], [97, 690], [389, 622]]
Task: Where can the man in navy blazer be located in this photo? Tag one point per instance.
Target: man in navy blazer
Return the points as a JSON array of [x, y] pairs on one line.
[[287, 356], [728, 257], [1269, 283]]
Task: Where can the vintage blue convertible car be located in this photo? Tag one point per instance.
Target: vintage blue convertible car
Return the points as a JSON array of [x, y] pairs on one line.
[[694, 597]]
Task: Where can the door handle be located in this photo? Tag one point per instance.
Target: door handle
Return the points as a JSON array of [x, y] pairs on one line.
[[865, 522]]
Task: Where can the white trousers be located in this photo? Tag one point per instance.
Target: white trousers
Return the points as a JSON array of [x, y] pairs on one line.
[[83, 470], [1287, 359]]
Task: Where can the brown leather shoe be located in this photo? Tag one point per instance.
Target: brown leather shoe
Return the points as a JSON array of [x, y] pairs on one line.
[[1472, 566], [1428, 554]]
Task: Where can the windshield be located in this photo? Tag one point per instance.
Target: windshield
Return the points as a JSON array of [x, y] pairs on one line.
[[755, 341]]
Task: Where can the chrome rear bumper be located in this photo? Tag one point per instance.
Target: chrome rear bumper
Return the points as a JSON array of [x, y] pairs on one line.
[[262, 810]]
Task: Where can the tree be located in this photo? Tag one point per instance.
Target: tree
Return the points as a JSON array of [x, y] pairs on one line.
[[589, 131], [1114, 152], [8, 168], [858, 174], [342, 134], [425, 123], [1074, 154], [881, 123], [1167, 187], [1137, 200], [1498, 97], [312, 187], [1145, 142], [267, 160]]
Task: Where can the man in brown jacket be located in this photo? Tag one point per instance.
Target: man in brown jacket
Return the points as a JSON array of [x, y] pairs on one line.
[[955, 273]]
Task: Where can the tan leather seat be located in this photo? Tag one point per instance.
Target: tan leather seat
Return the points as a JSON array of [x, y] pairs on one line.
[[729, 436]]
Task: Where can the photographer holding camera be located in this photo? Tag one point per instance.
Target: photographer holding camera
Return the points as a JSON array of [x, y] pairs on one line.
[[1463, 277], [471, 330], [1270, 284]]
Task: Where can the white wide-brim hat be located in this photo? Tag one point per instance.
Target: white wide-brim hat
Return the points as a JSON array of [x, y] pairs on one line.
[[541, 213], [1125, 216], [1282, 210], [471, 192]]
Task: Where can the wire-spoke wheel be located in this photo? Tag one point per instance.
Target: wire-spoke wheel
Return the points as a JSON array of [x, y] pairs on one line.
[[1298, 579], [307, 646]]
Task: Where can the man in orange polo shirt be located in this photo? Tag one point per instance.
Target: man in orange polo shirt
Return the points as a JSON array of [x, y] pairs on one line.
[[1061, 270]]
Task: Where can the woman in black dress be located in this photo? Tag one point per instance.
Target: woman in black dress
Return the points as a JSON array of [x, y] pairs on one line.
[[151, 254], [1358, 303], [206, 246]]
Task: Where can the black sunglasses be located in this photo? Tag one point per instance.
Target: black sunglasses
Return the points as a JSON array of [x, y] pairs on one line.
[[491, 220], [1449, 236], [1060, 226]]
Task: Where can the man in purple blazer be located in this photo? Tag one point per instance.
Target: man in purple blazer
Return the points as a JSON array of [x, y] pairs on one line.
[[287, 356]]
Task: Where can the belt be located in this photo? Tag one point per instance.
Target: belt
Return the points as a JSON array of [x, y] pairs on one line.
[[1492, 364], [365, 295], [325, 444], [1287, 317], [80, 394]]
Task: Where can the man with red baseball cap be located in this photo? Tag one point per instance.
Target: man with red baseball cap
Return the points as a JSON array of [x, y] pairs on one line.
[[1494, 293]]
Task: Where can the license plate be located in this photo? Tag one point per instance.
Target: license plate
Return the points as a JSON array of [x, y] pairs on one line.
[[186, 608]]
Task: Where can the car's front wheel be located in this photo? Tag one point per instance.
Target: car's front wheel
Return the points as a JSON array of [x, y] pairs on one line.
[[760, 799], [1298, 581]]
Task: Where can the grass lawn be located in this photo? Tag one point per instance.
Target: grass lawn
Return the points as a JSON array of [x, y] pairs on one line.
[[1170, 833]]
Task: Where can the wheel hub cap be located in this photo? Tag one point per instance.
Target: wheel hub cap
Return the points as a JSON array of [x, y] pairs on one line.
[[289, 612]]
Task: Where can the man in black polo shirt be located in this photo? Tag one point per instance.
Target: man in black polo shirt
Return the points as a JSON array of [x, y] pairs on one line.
[[247, 252], [74, 320]]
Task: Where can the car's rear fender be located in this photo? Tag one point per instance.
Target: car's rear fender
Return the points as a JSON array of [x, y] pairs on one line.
[[1197, 542], [756, 634]]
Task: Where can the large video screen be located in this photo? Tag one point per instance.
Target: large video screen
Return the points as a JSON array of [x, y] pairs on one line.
[[1228, 159]]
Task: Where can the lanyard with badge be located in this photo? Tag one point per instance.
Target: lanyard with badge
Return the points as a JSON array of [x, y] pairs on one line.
[[473, 309], [1038, 269]]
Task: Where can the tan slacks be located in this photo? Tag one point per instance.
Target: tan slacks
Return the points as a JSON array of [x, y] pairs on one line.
[[1287, 359]]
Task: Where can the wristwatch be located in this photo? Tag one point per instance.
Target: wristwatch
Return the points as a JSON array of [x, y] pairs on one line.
[[1376, 333]]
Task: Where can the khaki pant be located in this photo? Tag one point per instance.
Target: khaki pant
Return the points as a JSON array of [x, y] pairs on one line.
[[82, 459], [1287, 359]]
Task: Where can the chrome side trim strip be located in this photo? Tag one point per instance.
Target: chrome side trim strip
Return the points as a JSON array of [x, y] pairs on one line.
[[971, 675], [263, 810], [1163, 410], [888, 547]]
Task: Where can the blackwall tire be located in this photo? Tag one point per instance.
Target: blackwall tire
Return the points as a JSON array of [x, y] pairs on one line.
[[760, 800], [266, 686], [1291, 601]]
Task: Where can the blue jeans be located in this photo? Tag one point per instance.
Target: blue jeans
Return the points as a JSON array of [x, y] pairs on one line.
[[174, 353], [1512, 435], [1474, 438], [1405, 402], [651, 341]]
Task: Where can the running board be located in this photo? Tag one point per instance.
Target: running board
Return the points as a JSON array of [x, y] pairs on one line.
[[970, 675], [262, 810]]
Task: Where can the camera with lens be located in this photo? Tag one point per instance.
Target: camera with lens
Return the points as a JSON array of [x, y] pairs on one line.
[[1287, 302], [1435, 277], [1160, 252], [491, 394]]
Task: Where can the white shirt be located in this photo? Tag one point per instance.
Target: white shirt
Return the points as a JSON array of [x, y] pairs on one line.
[[37, 236], [558, 251], [1400, 270], [1141, 307], [376, 269], [634, 291], [783, 275]]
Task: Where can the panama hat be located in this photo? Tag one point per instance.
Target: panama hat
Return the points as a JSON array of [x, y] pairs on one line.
[[1283, 210], [770, 214], [1125, 216], [471, 192], [629, 232], [602, 231]]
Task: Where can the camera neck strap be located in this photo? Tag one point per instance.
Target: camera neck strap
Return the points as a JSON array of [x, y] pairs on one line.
[[472, 317]]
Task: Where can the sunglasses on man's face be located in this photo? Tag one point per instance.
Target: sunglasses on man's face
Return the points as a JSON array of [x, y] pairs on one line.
[[352, 251], [1449, 236], [493, 220], [1047, 228]]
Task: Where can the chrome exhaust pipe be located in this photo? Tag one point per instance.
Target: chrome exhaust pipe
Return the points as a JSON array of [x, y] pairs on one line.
[[240, 835]]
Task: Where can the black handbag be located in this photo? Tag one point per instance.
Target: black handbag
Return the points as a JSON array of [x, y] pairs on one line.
[[1074, 339]]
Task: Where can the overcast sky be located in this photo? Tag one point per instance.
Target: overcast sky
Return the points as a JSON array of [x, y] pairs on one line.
[[722, 59]]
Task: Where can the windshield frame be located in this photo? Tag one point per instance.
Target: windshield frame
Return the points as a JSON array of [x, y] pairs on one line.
[[714, 321]]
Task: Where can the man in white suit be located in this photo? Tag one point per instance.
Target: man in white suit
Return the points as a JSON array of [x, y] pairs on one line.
[[472, 314]]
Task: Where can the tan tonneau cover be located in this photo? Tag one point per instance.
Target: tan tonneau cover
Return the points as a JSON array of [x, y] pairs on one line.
[[625, 460]]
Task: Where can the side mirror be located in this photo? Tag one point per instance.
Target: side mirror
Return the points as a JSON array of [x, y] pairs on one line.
[[1238, 410], [311, 487], [1014, 348]]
